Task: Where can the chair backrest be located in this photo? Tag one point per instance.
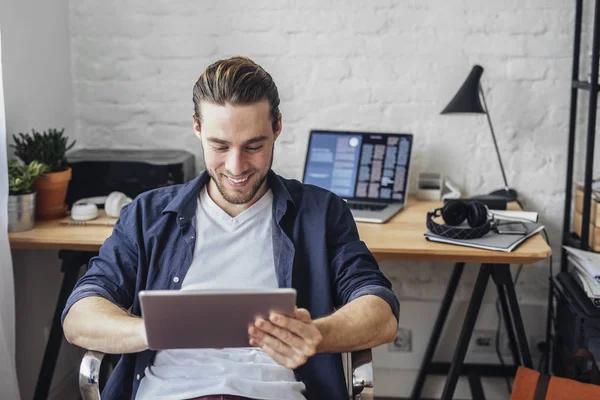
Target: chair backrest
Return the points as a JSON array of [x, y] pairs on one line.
[[89, 374], [359, 378], [531, 385]]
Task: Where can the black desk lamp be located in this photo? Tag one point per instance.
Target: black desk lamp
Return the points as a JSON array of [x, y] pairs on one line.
[[467, 101]]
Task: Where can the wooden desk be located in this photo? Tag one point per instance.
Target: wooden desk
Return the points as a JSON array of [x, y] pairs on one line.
[[399, 239], [51, 235], [76, 245]]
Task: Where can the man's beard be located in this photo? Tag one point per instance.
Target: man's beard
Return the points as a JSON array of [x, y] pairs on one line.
[[235, 197]]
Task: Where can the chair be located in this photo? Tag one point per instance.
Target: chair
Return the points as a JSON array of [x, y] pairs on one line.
[[359, 379]]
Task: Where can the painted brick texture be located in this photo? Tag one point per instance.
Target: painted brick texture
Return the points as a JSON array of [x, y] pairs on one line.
[[380, 65]]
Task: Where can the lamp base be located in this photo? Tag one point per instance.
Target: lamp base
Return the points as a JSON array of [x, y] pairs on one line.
[[507, 193]]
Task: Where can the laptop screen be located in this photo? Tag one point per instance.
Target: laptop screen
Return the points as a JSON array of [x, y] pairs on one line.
[[359, 166]]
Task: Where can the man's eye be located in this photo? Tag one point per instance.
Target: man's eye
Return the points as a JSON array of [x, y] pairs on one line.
[[220, 148], [254, 148]]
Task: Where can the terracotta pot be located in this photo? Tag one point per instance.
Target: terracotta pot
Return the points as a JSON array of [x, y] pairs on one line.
[[51, 193]]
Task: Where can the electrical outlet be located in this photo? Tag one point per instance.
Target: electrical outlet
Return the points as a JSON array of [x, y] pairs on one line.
[[402, 343], [536, 345], [483, 341]]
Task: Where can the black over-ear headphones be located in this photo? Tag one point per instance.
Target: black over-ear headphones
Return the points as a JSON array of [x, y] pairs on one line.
[[454, 213]]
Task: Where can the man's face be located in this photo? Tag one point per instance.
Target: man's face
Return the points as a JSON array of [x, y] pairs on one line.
[[237, 142]]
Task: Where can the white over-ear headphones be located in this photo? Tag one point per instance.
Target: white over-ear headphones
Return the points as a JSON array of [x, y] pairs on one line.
[[115, 202], [87, 209], [83, 211]]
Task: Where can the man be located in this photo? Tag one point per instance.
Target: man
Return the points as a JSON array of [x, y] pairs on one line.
[[238, 225]]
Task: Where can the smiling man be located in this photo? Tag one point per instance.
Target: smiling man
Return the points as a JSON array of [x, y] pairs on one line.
[[238, 151], [238, 225]]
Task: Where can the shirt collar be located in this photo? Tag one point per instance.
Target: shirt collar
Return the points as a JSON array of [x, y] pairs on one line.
[[281, 195], [184, 203]]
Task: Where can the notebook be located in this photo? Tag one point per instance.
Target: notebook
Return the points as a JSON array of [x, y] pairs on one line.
[[368, 170], [491, 240]]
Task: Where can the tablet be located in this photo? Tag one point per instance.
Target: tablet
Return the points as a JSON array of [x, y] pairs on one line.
[[190, 319]]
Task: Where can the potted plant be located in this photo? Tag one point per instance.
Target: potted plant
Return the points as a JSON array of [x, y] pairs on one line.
[[21, 194], [48, 148]]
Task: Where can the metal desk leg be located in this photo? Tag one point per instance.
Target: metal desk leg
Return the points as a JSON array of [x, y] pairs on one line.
[[71, 262], [437, 330], [512, 340], [549, 319], [502, 274], [475, 385], [467, 330]]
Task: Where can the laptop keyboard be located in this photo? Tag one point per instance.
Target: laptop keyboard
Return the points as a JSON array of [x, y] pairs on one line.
[[366, 206]]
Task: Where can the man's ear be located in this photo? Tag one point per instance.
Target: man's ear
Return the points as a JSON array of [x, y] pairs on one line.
[[196, 126], [279, 126]]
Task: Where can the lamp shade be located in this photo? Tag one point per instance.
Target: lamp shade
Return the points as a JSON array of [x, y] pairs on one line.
[[467, 99]]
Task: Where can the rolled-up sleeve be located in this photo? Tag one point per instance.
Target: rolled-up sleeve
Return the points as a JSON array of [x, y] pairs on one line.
[[111, 274], [356, 272]]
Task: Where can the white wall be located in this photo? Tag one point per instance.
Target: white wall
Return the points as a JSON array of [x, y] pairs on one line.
[[384, 65], [379, 65], [9, 386], [36, 57]]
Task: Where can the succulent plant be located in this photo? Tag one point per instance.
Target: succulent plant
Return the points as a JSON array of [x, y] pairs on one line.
[[21, 176], [48, 148]]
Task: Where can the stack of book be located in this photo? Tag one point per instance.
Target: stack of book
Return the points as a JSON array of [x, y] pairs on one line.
[[586, 270]]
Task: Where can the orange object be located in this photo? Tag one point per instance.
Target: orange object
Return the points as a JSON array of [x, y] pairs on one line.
[[51, 193], [529, 386]]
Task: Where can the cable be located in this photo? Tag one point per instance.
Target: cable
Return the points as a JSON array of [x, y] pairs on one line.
[[499, 329], [548, 241], [546, 353], [498, 313], [550, 313], [519, 269], [520, 204], [542, 360], [497, 342]]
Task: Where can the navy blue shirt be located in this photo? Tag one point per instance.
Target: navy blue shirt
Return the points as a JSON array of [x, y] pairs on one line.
[[316, 249]]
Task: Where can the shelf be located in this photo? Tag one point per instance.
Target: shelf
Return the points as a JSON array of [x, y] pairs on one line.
[[572, 239], [583, 85]]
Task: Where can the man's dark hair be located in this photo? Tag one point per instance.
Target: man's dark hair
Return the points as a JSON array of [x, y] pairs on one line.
[[237, 81]]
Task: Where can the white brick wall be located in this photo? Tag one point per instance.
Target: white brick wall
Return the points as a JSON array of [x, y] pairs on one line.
[[375, 65], [381, 66]]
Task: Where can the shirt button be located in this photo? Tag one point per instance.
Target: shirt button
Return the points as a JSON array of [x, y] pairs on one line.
[[192, 237], [176, 279], [138, 377]]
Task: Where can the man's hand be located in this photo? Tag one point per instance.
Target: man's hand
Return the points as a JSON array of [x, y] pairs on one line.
[[289, 341]]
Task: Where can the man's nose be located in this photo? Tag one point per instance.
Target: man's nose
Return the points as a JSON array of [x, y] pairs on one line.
[[236, 164]]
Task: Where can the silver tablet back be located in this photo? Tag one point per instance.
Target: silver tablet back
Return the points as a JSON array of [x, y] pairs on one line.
[[188, 319]]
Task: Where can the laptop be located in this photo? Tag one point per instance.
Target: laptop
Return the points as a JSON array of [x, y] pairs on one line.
[[368, 170]]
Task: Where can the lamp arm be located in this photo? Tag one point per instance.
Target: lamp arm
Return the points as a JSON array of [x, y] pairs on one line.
[[487, 113]]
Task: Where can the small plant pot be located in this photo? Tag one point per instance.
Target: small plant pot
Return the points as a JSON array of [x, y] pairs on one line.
[[51, 193], [21, 212]]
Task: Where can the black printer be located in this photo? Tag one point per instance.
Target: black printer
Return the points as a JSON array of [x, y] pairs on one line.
[[98, 172]]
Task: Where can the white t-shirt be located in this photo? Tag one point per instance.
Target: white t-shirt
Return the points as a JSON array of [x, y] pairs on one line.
[[230, 253]]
